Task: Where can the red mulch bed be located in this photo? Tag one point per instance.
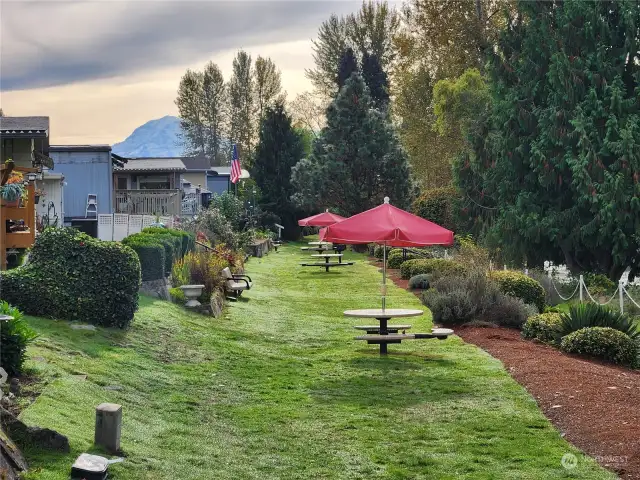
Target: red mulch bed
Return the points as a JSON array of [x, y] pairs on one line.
[[595, 405]]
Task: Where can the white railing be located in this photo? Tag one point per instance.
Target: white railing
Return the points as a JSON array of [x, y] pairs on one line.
[[148, 202], [191, 203]]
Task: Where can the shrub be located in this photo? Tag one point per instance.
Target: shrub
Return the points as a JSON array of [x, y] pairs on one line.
[[396, 258], [599, 284], [419, 281], [15, 335], [438, 266], [151, 254], [378, 251], [438, 206], [187, 240], [217, 228], [180, 273], [544, 327], [585, 315], [519, 285], [455, 299], [231, 208], [177, 296], [602, 342], [73, 276]]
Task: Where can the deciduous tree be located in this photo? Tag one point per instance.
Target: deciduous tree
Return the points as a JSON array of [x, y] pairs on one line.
[[267, 83], [241, 106]]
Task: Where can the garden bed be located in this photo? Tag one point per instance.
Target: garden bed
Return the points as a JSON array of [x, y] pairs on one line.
[[592, 403]]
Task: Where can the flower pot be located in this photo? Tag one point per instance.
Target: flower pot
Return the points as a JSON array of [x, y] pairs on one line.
[[192, 292], [12, 203], [36, 199]]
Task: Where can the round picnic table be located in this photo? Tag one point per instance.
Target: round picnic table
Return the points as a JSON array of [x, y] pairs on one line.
[[329, 256], [383, 316], [319, 243]]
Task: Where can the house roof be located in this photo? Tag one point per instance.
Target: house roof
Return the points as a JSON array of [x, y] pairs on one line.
[[226, 171], [152, 164], [24, 126], [80, 148], [199, 163]]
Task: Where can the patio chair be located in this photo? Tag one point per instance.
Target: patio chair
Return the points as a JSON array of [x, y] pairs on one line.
[[234, 283]]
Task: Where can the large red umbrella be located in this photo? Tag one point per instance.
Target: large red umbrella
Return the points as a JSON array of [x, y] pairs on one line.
[[320, 220], [389, 226]]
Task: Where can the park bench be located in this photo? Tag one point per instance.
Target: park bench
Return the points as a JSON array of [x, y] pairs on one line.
[[235, 284]]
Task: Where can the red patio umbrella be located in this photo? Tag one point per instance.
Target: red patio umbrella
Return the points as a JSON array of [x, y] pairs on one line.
[[320, 220], [389, 226]]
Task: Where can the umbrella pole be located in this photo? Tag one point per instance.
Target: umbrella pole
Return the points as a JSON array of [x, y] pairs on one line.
[[384, 276]]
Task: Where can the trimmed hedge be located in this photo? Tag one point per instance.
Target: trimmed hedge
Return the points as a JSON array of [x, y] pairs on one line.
[[520, 286], [15, 335], [419, 281], [544, 327], [395, 259], [151, 254], [187, 240], [73, 276], [414, 267], [603, 342]]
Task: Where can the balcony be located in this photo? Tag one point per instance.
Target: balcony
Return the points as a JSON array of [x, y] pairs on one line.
[[148, 202]]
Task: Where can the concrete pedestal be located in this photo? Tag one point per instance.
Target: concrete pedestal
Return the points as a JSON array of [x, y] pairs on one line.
[[108, 425]]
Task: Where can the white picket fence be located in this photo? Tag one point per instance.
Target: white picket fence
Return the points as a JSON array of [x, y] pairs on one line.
[[117, 226]]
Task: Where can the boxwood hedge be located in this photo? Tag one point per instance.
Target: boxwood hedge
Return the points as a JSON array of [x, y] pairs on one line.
[[603, 342], [73, 276], [411, 268], [521, 286], [188, 240], [544, 327], [151, 254]]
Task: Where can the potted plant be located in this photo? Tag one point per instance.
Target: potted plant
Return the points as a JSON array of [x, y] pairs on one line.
[[37, 194], [11, 193]]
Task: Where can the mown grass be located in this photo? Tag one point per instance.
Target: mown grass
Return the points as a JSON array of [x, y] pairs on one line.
[[278, 389]]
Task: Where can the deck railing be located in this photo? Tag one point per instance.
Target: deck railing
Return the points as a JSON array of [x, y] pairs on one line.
[[148, 202]]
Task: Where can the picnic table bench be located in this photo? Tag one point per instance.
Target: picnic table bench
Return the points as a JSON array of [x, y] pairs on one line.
[[327, 263], [385, 334]]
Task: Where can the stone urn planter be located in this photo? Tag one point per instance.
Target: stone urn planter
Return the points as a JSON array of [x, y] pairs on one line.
[[192, 292]]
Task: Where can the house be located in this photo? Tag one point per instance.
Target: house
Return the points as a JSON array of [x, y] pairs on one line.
[[83, 170], [24, 141], [148, 186]]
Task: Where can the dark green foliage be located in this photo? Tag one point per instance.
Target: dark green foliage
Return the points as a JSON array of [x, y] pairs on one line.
[[602, 342], [357, 159], [397, 258], [585, 315], [151, 253], [15, 335], [348, 66], [520, 286], [379, 251], [187, 239], [599, 284], [279, 149], [167, 242], [73, 276], [438, 266], [557, 167], [544, 327], [419, 282], [438, 205], [376, 79], [456, 299]]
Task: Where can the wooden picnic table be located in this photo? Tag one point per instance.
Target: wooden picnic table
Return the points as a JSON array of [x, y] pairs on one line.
[[386, 334]]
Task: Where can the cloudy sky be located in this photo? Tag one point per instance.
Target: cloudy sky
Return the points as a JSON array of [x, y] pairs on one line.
[[101, 68]]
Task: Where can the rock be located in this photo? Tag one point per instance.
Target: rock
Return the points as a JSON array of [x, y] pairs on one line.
[[14, 386], [44, 438], [11, 460], [217, 303], [156, 288]]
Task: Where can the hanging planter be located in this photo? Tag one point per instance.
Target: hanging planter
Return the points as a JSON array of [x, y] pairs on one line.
[[11, 193]]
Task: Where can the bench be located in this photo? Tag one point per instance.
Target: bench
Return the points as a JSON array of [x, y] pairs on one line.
[[376, 328], [236, 284], [383, 340], [326, 265]]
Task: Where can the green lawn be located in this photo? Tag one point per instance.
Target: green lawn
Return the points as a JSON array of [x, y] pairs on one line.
[[278, 389]]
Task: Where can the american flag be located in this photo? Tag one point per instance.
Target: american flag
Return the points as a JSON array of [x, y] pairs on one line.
[[236, 171]]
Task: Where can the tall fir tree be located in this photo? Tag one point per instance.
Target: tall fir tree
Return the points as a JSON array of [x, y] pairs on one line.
[[279, 148], [356, 161], [559, 165], [346, 67], [376, 79]]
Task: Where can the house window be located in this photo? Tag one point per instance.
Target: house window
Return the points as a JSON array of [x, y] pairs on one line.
[[154, 182], [122, 183]]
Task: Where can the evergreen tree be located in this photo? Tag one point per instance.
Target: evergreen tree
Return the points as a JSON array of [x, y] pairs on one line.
[[356, 161], [347, 66], [376, 80], [559, 164], [279, 148]]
